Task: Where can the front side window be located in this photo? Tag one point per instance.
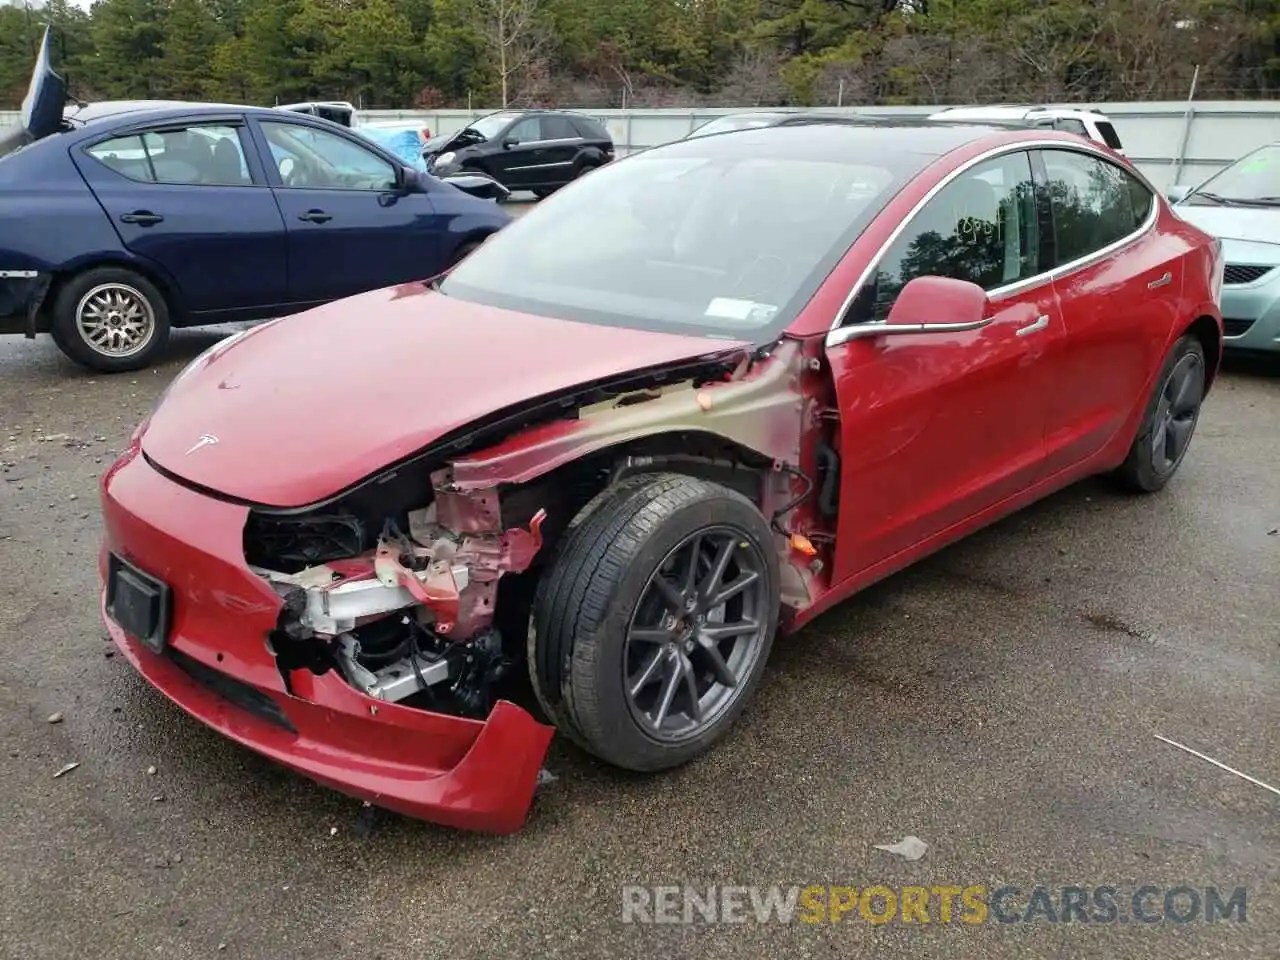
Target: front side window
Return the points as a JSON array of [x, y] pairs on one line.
[[1253, 180], [306, 157], [692, 239], [199, 155], [1093, 203], [981, 227]]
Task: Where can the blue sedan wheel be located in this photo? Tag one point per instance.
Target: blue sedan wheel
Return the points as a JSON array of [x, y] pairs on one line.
[[110, 319]]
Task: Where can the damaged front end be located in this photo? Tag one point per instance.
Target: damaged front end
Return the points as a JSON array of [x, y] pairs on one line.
[[395, 583], [412, 615]]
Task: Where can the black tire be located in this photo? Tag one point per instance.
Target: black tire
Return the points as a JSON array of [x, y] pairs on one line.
[[585, 604], [91, 294], [1142, 471], [543, 192]]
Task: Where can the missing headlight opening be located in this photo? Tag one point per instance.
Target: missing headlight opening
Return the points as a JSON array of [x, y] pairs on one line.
[[408, 615]]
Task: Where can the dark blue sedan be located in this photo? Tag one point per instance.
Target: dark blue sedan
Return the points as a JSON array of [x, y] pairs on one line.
[[121, 220]]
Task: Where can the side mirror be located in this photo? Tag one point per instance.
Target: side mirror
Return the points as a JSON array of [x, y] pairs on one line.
[[509, 142], [926, 305], [409, 181], [478, 185], [1178, 193]]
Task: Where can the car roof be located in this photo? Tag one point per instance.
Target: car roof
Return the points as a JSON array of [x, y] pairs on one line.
[[821, 137], [162, 109], [1018, 111]]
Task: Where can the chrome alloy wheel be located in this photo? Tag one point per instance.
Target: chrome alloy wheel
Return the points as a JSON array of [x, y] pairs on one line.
[[115, 320]]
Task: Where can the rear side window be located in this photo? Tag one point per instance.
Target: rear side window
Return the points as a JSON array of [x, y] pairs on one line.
[[1094, 203], [1071, 125], [589, 129], [207, 155], [557, 128], [1109, 135]]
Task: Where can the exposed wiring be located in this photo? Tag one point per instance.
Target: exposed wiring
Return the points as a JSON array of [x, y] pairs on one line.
[[788, 507]]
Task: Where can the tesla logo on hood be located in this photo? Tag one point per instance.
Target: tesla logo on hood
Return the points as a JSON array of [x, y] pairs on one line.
[[206, 440]]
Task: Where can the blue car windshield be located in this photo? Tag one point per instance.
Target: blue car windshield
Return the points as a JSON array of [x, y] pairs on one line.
[[692, 238]]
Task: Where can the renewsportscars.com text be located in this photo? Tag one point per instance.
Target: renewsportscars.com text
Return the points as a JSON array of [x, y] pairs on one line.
[[942, 903]]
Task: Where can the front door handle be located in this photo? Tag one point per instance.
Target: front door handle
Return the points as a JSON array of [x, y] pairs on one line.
[[315, 216], [1041, 322], [1156, 284], [143, 218]]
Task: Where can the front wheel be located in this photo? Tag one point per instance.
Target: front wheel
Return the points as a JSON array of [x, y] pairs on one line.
[[1170, 420], [110, 319], [652, 628]]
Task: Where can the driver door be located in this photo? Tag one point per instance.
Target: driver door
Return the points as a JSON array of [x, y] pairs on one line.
[[939, 429], [348, 228]]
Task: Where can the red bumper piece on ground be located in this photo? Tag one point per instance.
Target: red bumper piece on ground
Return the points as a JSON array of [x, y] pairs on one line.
[[471, 774]]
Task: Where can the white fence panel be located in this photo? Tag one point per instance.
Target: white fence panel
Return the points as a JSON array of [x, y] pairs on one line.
[[1161, 138]]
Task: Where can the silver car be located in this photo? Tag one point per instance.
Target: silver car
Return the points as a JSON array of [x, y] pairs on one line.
[[1241, 206]]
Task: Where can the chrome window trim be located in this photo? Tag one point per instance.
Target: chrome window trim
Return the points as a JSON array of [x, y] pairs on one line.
[[836, 334]]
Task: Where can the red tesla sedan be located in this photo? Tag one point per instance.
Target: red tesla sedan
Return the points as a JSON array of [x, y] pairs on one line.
[[695, 398]]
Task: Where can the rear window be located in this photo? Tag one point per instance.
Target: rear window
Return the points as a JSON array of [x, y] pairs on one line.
[[1071, 125], [1109, 135]]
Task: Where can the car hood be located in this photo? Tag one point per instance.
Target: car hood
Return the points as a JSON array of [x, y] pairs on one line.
[[439, 142], [298, 409], [1251, 224], [41, 114]]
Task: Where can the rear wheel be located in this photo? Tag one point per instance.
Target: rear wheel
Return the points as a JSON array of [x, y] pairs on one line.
[[652, 628], [110, 319], [1170, 420]]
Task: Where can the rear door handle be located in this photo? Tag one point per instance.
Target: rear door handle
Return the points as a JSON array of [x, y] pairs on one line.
[[315, 216], [143, 218], [1156, 284], [1041, 322]]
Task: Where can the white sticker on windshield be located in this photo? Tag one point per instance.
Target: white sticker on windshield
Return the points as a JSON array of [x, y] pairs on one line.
[[727, 308]]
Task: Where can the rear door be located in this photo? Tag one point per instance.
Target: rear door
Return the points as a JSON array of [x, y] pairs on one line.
[[939, 428], [1119, 282], [191, 197], [349, 227], [561, 144]]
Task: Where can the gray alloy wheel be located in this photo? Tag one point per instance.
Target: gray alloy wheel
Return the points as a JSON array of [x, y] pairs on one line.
[[653, 624], [696, 631]]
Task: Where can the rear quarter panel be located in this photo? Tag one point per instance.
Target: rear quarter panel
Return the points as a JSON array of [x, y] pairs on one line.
[[49, 219]]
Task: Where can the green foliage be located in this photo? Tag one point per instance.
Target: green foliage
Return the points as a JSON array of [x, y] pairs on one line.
[[400, 53]]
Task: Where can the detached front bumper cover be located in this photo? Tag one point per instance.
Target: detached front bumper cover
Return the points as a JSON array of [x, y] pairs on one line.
[[470, 774], [218, 666]]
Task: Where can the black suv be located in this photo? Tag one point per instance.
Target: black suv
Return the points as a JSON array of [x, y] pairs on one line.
[[536, 150]]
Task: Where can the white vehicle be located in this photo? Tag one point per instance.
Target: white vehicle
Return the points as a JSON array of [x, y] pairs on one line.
[[1087, 123]]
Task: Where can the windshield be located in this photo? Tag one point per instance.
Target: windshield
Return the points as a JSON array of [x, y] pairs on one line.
[[727, 244], [490, 126], [724, 124], [1253, 179]]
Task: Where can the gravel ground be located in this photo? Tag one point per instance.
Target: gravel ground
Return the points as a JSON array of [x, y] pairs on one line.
[[999, 701]]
